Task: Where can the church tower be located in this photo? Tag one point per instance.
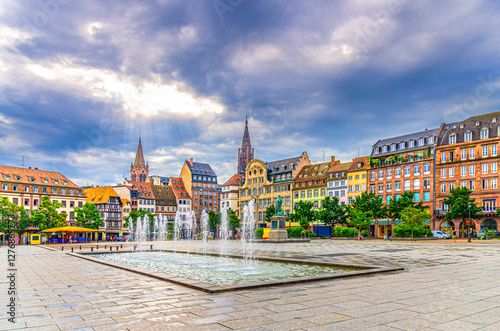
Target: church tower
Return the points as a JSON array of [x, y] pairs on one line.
[[139, 170], [245, 153]]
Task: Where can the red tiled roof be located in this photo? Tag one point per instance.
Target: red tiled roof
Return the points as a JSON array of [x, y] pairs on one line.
[[178, 188], [236, 180], [144, 188], [340, 167], [34, 176]]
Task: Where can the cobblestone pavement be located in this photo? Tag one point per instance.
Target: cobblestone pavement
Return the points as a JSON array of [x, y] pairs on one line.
[[446, 286]]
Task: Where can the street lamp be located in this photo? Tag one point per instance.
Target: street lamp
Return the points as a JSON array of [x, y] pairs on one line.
[[468, 224]]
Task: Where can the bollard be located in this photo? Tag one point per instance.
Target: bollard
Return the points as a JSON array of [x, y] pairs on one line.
[[97, 247], [110, 248], [62, 248], [105, 246], [117, 248], [121, 246], [80, 247], [91, 249], [151, 247], [71, 249]]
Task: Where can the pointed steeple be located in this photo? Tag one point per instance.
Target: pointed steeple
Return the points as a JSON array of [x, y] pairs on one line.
[[246, 152], [139, 170], [139, 156]]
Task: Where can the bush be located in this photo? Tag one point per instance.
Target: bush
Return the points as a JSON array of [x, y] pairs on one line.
[[296, 232], [404, 231], [344, 231], [259, 232]]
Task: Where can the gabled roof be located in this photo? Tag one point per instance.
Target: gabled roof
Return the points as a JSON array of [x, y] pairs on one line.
[[200, 168], [179, 188], [34, 176], [313, 171], [235, 180], [362, 160], [100, 194], [280, 166], [143, 188], [338, 167]]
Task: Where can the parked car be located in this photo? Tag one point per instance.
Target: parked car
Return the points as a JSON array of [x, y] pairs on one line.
[[441, 235]]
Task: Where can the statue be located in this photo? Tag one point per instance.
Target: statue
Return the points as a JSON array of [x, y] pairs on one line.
[[279, 209]]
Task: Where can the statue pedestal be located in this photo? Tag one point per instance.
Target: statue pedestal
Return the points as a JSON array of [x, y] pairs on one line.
[[278, 229]]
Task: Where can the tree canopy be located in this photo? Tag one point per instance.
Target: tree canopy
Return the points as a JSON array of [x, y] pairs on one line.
[[47, 216], [270, 211], [332, 212], [414, 217], [303, 210], [88, 216], [458, 205]]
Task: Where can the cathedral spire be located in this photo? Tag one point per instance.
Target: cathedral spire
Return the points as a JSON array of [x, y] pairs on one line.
[[246, 152], [139, 170]]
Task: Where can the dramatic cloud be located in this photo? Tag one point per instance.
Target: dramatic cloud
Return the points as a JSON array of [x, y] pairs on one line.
[[80, 80]]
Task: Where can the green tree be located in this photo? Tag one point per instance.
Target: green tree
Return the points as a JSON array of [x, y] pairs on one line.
[[332, 211], [304, 210], [88, 216], [359, 218], [371, 204], [458, 205], [14, 218], [47, 216], [213, 220], [234, 221], [304, 222], [414, 217], [270, 211]]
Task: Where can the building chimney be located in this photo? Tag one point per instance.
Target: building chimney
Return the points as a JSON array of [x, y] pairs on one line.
[[333, 160], [191, 161]]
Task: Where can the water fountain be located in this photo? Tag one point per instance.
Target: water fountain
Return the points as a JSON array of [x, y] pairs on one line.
[[248, 230], [204, 230], [224, 232], [191, 221], [142, 231], [177, 229]]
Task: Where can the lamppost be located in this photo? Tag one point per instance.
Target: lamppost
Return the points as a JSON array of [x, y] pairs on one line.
[[468, 225]]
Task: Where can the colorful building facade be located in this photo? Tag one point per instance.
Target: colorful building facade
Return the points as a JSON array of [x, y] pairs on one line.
[[230, 194], [310, 184], [337, 180], [402, 164], [357, 178], [108, 202], [467, 156]]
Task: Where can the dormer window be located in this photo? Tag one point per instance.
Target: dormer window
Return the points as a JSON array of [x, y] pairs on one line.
[[32, 179], [375, 150], [402, 145], [452, 139], [6, 177], [485, 133], [393, 147], [431, 140], [421, 142], [461, 126], [55, 181], [468, 136], [384, 149], [18, 178], [494, 120], [46, 181], [411, 143], [65, 182], [478, 123]]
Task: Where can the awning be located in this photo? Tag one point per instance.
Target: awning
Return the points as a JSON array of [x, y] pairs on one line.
[[69, 229]]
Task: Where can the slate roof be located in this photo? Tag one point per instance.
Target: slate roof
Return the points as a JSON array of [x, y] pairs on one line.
[[405, 138], [282, 166], [474, 124], [200, 168]]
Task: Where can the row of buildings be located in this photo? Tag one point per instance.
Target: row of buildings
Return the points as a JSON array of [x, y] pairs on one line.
[[428, 163]]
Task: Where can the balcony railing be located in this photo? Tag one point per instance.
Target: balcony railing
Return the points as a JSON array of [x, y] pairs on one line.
[[440, 211], [489, 209]]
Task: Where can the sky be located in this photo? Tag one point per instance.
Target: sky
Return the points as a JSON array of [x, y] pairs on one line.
[[81, 80]]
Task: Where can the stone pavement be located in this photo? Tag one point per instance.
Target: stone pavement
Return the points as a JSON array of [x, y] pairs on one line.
[[446, 287]]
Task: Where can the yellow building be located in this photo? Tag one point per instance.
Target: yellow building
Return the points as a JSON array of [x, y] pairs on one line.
[[357, 178], [108, 202], [265, 181]]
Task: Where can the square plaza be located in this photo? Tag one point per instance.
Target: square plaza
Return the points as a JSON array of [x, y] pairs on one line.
[[445, 286]]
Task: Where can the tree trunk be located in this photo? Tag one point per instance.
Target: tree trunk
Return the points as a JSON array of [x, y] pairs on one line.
[[412, 234]]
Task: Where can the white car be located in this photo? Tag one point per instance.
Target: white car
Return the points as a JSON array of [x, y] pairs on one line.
[[441, 235]]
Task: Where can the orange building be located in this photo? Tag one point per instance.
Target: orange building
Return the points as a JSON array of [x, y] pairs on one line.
[[402, 164], [467, 156]]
